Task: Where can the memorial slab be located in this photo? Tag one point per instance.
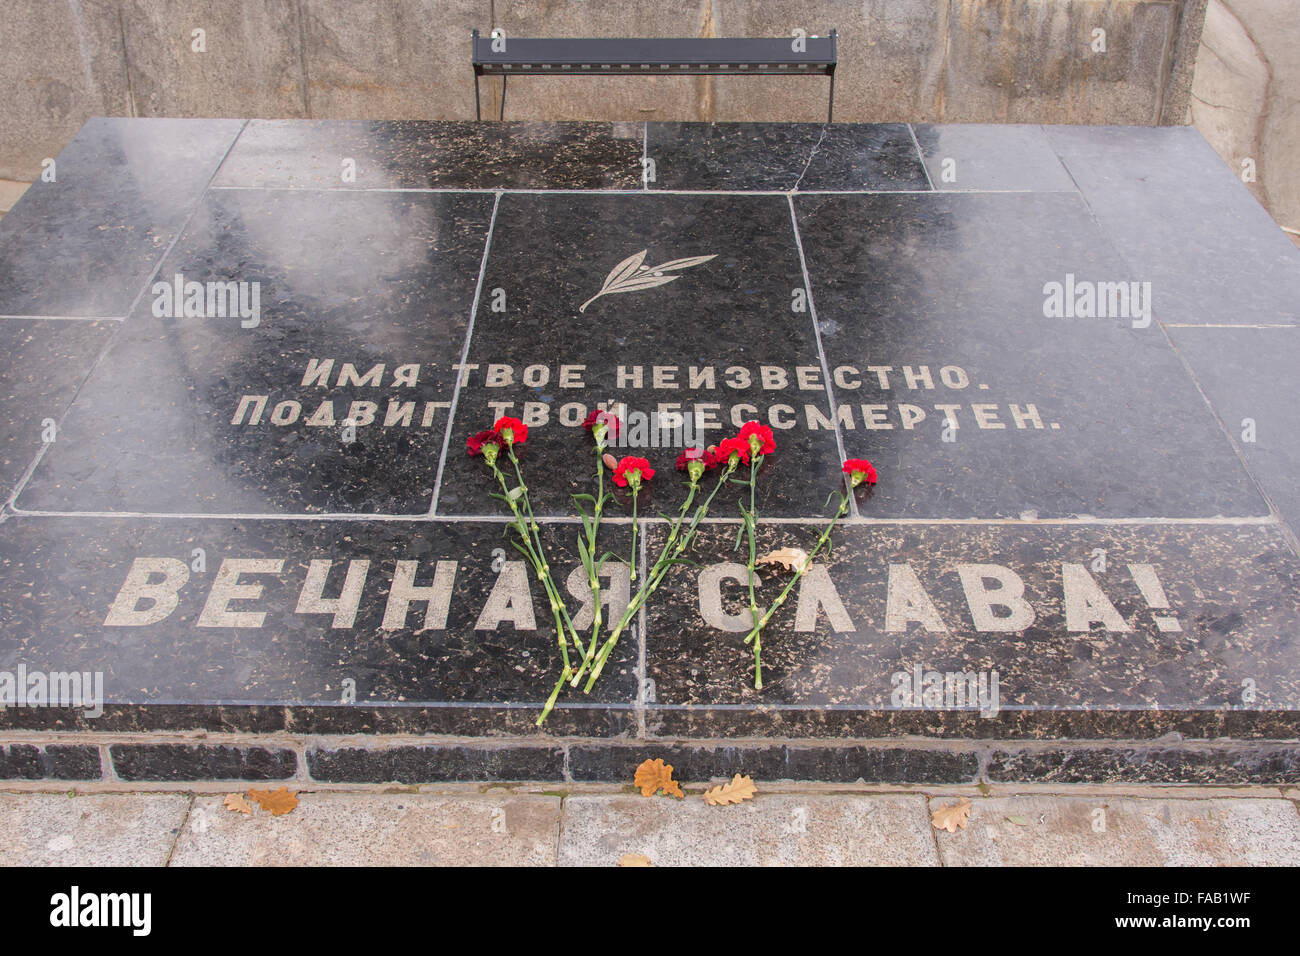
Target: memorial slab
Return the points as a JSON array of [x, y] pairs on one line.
[[258, 517]]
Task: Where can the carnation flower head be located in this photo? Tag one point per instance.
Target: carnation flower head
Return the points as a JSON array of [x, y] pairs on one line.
[[758, 438], [511, 430], [601, 423], [860, 471], [486, 443], [733, 446], [695, 462], [630, 472]]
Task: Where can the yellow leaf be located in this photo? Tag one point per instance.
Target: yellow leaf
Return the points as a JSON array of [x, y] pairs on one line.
[[278, 802], [792, 559], [237, 803], [634, 859], [739, 790], [655, 775], [953, 817]]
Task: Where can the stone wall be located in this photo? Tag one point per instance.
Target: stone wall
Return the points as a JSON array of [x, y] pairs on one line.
[[1246, 98], [943, 60]]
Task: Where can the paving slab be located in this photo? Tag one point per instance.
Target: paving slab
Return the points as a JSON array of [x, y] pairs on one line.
[[344, 829], [123, 829], [770, 830], [1120, 831]]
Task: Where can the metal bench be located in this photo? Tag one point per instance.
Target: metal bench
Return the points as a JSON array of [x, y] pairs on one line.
[[627, 56]]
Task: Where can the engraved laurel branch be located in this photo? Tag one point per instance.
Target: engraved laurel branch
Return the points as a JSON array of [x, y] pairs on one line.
[[630, 275]]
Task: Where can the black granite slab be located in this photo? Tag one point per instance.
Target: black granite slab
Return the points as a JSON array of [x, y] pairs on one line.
[[70, 603], [784, 156], [1185, 222], [1230, 613], [431, 154], [994, 157], [728, 319], [357, 280], [86, 243], [45, 362], [1082, 416], [1252, 379]]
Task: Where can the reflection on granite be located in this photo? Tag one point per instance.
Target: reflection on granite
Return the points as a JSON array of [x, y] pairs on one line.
[[985, 156], [1183, 221], [932, 312], [435, 154], [784, 156], [46, 361], [362, 281], [85, 244]]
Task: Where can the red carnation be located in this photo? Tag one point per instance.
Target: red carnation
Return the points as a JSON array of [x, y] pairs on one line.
[[758, 438], [475, 443], [696, 455], [860, 471], [632, 471], [733, 446], [599, 417], [511, 430]]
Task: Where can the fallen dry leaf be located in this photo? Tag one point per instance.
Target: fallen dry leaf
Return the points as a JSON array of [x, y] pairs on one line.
[[792, 559], [953, 817], [655, 775], [237, 803], [278, 802], [634, 859], [739, 790]]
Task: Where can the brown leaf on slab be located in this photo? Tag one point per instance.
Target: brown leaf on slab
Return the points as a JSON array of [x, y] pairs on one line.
[[655, 775], [792, 559], [278, 802], [739, 790], [634, 859], [952, 817], [237, 803]]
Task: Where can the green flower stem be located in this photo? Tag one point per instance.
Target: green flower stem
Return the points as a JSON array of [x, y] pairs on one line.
[[597, 612], [785, 592], [636, 493], [673, 548], [751, 531]]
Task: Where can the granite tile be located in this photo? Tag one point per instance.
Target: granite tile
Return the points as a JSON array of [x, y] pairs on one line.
[[136, 762], [1252, 379], [1120, 621], [434, 764], [933, 309], [86, 243], [47, 360], [49, 761], [362, 300], [975, 156], [1134, 765], [1184, 222], [784, 156], [717, 345], [220, 616], [417, 154]]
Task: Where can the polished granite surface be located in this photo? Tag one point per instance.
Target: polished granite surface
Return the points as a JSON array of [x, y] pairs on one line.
[[259, 490]]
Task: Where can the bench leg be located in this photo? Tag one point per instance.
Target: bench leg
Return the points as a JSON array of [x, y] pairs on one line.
[[830, 108], [478, 113], [503, 96]]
